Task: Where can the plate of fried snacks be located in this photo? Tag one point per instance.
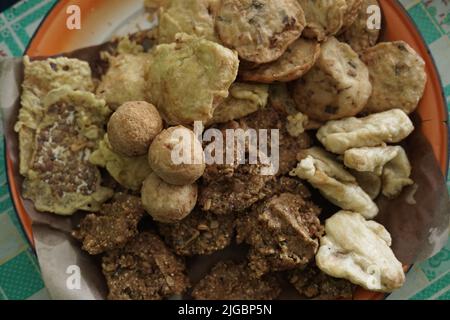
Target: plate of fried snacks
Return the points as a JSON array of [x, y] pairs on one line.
[[227, 149]]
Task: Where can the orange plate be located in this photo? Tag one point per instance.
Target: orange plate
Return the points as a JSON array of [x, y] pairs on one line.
[[100, 18]]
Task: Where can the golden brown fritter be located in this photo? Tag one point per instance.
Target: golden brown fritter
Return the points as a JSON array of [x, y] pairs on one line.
[[112, 227], [200, 233]]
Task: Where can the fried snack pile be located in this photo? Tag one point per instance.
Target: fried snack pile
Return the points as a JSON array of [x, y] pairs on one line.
[[309, 73]]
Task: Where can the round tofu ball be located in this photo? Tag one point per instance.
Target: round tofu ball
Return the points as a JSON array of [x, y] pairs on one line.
[[176, 156], [133, 127], [165, 202]]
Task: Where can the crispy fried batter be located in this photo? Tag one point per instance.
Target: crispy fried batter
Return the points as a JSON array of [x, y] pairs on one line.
[[260, 30], [201, 233], [336, 87], [231, 281], [112, 227], [270, 118], [282, 231], [324, 18]]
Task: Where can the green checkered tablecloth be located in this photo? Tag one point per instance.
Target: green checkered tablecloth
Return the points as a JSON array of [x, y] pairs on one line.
[[19, 272]]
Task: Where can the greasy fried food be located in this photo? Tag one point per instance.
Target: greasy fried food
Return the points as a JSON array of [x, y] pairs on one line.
[[112, 227], [260, 30], [359, 36], [359, 251], [124, 80], [334, 182], [337, 86], [285, 184], [165, 202], [282, 231], [312, 283], [176, 156], [386, 127], [132, 128], [59, 177], [296, 124], [370, 159], [297, 60], [351, 13], [231, 281], [193, 17], [324, 18], [40, 77], [369, 182], [234, 192], [396, 175], [129, 172], [244, 99], [281, 99], [398, 77], [145, 269], [201, 233], [207, 67]]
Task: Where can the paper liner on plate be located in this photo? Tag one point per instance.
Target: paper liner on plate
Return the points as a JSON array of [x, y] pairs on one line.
[[418, 220]]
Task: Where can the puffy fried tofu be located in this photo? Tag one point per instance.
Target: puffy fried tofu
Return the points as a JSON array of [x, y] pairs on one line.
[[282, 231], [386, 127], [359, 251], [334, 182]]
